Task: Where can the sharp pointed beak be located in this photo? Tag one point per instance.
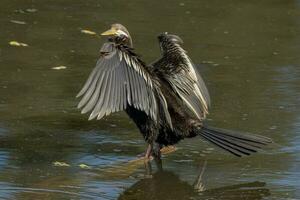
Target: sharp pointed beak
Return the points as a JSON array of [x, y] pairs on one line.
[[110, 32]]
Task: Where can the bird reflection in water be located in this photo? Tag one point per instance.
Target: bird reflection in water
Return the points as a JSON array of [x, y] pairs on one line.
[[167, 185]]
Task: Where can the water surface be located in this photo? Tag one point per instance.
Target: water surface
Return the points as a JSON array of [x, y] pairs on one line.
[[247, 52]]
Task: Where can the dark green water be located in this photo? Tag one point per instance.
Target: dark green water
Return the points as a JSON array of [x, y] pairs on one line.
[[247, 51]]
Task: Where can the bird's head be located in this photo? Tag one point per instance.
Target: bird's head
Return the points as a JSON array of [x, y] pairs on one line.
[[167, 41], [119, 34]]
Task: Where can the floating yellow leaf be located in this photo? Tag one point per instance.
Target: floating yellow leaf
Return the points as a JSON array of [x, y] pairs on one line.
[[88, 32], [84, 166], [17, 44], [60, 164], [59, 67]]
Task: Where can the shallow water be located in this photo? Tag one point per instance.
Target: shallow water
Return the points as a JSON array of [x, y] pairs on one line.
[[247, 52]]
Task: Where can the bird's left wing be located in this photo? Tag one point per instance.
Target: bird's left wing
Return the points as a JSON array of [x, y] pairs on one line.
[[120, 79], [178, 70], [190, 87]]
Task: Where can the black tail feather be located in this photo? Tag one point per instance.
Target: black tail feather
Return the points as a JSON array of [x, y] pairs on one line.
[[232, 151], [235, 143], [234, 146]]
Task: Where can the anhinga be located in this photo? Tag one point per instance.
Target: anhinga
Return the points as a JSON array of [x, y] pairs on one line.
[[167, 99]]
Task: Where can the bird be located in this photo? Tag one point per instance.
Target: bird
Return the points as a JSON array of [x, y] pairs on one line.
[[166, 99]]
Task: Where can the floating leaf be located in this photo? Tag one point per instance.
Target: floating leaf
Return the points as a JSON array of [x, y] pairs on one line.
[[85, 31], [17, 22], [20, 11], [60, 164], [84, 166], [59, 67], [18, 44], [31, 10]]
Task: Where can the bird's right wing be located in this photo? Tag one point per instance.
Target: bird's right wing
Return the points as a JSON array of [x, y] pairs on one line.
[[119, 80]]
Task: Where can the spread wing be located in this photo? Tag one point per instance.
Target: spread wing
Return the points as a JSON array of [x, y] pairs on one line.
[[179, 71], [189, 86], [119, 80]]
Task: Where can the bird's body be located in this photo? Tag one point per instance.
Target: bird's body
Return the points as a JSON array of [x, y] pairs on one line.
[[167, 99]]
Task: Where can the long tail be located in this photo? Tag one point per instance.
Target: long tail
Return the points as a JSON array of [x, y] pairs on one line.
[[236, 143]]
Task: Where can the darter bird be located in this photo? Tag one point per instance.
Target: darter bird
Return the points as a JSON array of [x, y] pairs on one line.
[[167, 100]]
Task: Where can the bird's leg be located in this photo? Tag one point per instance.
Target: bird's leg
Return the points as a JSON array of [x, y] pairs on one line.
[[153, 150], [148, 152], [156, 150]]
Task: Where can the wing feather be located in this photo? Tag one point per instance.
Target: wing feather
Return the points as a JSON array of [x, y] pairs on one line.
[[89, 80], [93, 100], [120, 80], [112, 98], [103, 109], [96, 109], [178, 70], [88, 92]]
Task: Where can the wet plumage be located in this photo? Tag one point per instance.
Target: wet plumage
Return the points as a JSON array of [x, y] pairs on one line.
[[167, 100]]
